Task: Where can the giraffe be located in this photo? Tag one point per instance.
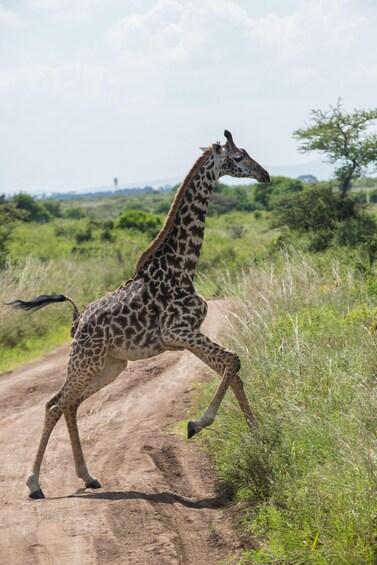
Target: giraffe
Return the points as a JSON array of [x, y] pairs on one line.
[[157, 309]]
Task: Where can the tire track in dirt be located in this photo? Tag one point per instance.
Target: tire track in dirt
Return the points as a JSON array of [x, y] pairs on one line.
[[158, 504]]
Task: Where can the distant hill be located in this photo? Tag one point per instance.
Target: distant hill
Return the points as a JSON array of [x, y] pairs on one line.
[[319, 169], [102, 192]]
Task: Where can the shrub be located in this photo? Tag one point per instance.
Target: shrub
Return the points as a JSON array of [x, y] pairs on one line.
[[107, 235], [34, 211], [75, 213], [373, 196], [140, 221], [53, 207], [268, 196], [360, 197], [84, 235], [8, 221], [356, 230], [314, 209]]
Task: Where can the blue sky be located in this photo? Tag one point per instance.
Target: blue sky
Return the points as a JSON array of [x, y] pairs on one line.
[[93, 89]]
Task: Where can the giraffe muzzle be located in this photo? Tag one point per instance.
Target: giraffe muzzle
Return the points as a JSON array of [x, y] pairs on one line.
[[264, 177]]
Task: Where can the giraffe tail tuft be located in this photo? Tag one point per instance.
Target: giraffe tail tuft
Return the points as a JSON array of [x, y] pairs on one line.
[[44, 300]]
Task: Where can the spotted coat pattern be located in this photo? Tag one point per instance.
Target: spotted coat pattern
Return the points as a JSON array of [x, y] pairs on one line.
[[158, 309]]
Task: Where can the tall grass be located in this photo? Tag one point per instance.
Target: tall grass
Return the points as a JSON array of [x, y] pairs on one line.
[[25, 336], [308, 475]]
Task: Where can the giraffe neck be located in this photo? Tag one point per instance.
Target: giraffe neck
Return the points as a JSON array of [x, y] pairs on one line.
[[184, 240], [180, 240]]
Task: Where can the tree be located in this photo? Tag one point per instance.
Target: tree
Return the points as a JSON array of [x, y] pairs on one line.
[[34, 211], [8, 221], [345, 138]]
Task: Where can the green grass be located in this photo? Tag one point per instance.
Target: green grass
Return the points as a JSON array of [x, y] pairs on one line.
[[32, 347], [24, 336], [308, 475]]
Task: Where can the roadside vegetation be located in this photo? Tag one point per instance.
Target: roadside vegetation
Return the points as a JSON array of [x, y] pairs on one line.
[[304, 329]]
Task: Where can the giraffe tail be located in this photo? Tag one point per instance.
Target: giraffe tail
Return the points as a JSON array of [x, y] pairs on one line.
[[44, 300]]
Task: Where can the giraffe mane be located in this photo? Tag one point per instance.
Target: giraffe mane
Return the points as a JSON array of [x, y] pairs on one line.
[[159, 239]]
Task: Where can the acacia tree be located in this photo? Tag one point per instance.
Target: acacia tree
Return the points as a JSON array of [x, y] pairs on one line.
[[346, 138]]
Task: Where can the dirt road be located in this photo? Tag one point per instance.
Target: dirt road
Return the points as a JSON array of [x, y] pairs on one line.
[[158, 503]]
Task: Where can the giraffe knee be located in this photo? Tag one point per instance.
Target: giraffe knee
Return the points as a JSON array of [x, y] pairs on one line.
[[53, 411], [49, 405], [54, 400], [235, 363]]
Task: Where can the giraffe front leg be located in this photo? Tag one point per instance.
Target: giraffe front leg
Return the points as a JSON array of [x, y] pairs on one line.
[[239, 392], [224, 362], [194, 427]]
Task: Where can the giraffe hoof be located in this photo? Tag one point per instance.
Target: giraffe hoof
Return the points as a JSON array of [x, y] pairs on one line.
[[38, 494], [192, 429], [93, 484]]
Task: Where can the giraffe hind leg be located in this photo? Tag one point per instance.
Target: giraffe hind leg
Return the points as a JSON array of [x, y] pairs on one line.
[[53, 414], [110, 371], [76, 380]]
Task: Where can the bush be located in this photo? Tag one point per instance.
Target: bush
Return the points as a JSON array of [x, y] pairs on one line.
[[357, 230], [140, 221], [34, 211], [8, 221], [107, 235], [373, 196], [314, 209], [268, 196], [53, 207], [84, 235], [360, 197], [75, 213]]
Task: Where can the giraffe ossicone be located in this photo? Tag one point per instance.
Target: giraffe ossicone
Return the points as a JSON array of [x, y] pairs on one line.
[[158, 309]]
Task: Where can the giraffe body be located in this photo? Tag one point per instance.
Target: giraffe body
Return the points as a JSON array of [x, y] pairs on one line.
[[158, 309]]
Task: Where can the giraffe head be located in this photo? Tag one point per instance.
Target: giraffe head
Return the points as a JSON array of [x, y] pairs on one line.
[[237, 162]]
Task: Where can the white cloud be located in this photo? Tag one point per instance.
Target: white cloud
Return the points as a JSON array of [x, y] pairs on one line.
[[9, 19], [314, 30], [60, 5], [203, 31], [67, 10]]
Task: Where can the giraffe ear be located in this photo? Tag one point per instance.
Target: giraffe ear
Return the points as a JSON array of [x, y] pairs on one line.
[[217, 149], [229, 140]]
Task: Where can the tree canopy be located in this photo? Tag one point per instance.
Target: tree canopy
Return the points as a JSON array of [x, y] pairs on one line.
[[346, 138]]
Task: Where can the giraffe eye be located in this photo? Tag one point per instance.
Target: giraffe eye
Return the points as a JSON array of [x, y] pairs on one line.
[[238, 159]]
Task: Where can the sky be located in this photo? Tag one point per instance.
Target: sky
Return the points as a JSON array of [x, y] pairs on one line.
[[91, 90]]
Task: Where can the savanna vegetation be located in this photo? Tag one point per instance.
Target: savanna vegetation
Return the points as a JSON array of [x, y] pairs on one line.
[[87, 247], [298, 261]]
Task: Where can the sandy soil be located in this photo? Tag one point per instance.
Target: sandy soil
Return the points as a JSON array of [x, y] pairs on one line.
[[158, 503]]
